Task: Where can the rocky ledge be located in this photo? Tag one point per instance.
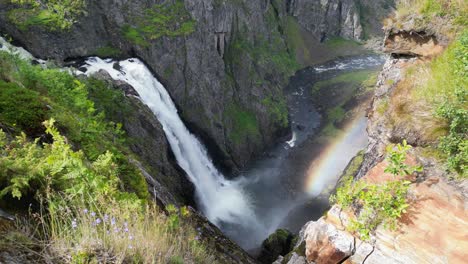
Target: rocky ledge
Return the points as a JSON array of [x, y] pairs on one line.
[[434, 228]]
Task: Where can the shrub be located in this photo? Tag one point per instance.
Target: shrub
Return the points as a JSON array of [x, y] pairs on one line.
[[244, 124], [21, 107], [396, 157], [377, 204], [54, 15], [442, 86], [170, 20], [86, 216], [80, 108], [455, 144]]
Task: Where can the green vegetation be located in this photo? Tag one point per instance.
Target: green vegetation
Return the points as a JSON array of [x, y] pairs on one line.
[[339, 42], [355, 79], [396, 156], [54, 15], [345, 85], [21, 107], [169, 20], [295, 38], [441, 86], [456, 10], [278, 110], [376, 203], [94, 203], [108, 52], [244, 124], [455, 144]]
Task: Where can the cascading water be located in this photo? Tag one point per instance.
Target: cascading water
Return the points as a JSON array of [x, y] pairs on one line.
[[222, 201], [253, 206]]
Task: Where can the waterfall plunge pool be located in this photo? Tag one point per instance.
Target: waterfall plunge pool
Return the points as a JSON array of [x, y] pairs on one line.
[[280, 190]]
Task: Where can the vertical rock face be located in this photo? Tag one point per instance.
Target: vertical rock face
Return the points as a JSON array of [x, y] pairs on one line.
[[327, 18], [223, 95], [226, 76]]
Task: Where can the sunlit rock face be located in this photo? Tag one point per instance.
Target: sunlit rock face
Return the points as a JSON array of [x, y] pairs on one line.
[[433, 230]]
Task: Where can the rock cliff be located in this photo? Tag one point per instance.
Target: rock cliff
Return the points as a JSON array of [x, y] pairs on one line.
[[225, 72], [433, 230]]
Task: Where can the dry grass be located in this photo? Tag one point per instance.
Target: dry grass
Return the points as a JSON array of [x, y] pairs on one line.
[[120, 236], [115, 236], [415, 113]]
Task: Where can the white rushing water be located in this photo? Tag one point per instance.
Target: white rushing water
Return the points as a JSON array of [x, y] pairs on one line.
[[222, 201]]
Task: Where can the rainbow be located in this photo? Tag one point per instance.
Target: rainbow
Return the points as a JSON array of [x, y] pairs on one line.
[[334, 158]]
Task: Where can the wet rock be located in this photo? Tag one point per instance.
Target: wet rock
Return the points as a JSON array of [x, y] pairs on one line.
[[167, 181], [225, 250], [279, 243], [117, 66], [83, 69], [300, 127]]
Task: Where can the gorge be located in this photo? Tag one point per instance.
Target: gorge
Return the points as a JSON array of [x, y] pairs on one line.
[[221, 131]]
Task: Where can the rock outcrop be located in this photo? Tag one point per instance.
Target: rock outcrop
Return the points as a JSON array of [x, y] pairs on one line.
[[277, 244], [433, 229], [328, 18], [167, 182], [326, 244]]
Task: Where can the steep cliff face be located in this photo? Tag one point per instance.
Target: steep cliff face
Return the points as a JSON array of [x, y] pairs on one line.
[[432, 229], [229, 98], [167, 182], [328, 18], [223, 62]]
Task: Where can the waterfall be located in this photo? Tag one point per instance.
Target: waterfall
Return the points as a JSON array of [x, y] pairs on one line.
[[222, 201]]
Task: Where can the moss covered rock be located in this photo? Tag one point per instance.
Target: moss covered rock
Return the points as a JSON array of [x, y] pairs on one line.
[[277, 244]]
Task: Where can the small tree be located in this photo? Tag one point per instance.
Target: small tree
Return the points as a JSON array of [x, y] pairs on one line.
[[396, 160]]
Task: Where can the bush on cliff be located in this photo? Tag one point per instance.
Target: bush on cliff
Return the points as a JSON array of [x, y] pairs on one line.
[[89, 204], [376, 204], [85, 217], [54, 15]]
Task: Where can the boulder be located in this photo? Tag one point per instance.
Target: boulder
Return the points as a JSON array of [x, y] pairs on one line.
[[277, 244], [325, 244]]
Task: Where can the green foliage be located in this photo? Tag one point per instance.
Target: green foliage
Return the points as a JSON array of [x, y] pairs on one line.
[[377, 204], [295, 38], [396, 157], [354, 79], [445, 91], [271, 54], [456, 10], [336, 114], [278, 110], [170, 20], [21, 107], [176, 260], [54, 15], [80, 109], [455, 144], [339, 42], [244, 124], [108, 52], [54, 168]]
